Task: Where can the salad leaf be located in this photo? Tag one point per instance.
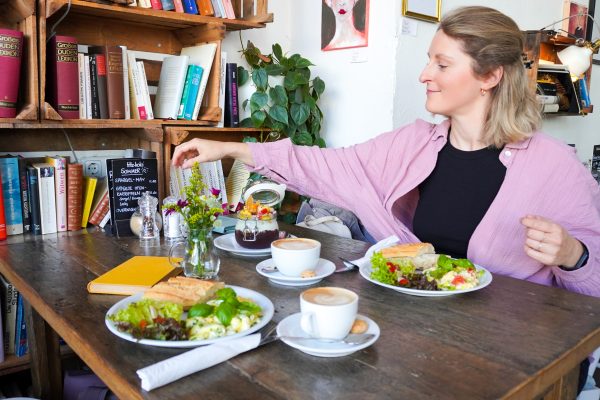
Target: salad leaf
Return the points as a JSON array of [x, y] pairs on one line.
[[200, 310], [249, 307], [381, 271], [226, 293], [147, 310], [225, 312]]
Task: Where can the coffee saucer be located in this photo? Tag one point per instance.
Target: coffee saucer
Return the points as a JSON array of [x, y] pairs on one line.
[[290, 326], [228, 243], [324, 268]]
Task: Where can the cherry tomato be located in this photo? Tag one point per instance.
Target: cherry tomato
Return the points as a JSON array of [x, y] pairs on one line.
[[458, 279], [403, 282]]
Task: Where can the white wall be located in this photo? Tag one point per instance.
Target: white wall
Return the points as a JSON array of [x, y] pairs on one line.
[[381, 91]]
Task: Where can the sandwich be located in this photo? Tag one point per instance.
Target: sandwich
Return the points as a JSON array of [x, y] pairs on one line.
[[421, 255], [184, 291]]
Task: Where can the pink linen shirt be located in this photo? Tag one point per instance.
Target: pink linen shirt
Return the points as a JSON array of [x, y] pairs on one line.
[[378, 180]]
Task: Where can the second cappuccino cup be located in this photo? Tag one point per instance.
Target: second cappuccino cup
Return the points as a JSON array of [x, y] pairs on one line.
[[292, 256], [328, 312]]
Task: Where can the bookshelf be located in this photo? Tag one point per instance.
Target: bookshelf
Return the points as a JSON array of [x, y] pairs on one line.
[[38, 127], [544, 45]]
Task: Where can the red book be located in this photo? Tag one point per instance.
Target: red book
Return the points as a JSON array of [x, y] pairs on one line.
[[2, 217], [156, 4], [11, 49], [178, 6], [74, 196], [62, 85], [100, 211]]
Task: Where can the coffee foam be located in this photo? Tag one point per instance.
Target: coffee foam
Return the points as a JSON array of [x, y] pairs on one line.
[[295, 244], [328, 296]]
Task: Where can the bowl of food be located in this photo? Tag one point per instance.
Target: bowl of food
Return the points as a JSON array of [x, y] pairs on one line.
[[257, 225]]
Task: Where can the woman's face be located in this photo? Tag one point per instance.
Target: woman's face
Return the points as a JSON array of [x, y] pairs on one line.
[[341, 8], [452, 87]]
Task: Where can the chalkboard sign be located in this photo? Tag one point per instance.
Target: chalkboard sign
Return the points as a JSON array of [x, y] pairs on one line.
[[596, 163], [128, 179]]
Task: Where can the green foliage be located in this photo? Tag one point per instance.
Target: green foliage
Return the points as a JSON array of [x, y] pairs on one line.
[[294, 111]]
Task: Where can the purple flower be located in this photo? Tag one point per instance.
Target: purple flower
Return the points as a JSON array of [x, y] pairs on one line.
[[182, 203], [215, 192], [169, 211]]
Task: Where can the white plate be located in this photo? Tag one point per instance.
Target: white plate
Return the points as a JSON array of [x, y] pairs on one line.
[[228, 243], [262, 301], [486, 279], [290, 326], [324, 268]]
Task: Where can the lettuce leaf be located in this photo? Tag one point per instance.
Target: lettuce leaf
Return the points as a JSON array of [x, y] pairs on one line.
[[380, 271], [147, 310]]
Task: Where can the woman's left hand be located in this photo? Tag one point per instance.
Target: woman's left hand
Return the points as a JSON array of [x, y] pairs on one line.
[[549, 243]]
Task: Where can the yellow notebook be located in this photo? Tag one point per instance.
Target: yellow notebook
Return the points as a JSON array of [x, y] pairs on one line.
[[134, 275], [88, 196]]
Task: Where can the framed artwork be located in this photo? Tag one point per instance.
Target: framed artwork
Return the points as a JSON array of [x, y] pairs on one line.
[[427, 10], [593, 32], [576, 23], [344, 24]]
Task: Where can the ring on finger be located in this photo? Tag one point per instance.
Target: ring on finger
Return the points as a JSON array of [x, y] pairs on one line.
[[539, 246]]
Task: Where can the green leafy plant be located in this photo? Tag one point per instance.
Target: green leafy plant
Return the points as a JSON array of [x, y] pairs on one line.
[[293, 109]]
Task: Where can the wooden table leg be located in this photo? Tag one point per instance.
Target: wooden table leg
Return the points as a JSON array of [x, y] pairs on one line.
[[565, 388], [44, 350]]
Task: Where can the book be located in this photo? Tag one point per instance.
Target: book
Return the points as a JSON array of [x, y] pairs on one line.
[[11, 193], [101, 206], [47, 197], [167, 5], [228, 7], [26, 207], [82, 91], [170, 87], [222, 81], [60, 186], [63, 76], [189, 6], [178, 6], [100, 73], [221, 6], [205, 8], [136, 95], [216, 8], [34, 200], [74, 196], [112, 57], [145, 92], [126, 100], [232, 116], [10, 296], [134, 275], [596, 163], [2, 218], [20, 329], [105, 219], [89, 187], [236, 181], [156, 4], [188, 99], [94, 94], [203, 56], [88, 87], [11, 51]]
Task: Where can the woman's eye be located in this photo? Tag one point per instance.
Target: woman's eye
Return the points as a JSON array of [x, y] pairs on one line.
[[440, 66]]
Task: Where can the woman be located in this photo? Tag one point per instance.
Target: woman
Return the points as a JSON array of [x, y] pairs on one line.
[[483, 184], [346, 35]]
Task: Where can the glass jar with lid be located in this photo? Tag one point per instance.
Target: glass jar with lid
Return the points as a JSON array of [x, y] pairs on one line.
[[257, 224]]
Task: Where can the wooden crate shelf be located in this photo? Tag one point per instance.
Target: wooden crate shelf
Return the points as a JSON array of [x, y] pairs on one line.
[[20, 15]]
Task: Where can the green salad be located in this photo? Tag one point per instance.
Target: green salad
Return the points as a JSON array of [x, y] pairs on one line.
[[226, 314]]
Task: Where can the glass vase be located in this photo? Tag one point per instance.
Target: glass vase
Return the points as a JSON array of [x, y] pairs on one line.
[[196, 254]]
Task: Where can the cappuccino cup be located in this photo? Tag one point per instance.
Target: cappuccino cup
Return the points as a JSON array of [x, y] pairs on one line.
[[292, 256], [328, 312]]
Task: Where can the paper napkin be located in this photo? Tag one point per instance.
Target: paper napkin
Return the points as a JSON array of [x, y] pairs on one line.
[[200, 358], [366, 259], [227, 224]]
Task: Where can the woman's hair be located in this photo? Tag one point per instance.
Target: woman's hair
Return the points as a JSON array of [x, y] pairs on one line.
[[494, 40]]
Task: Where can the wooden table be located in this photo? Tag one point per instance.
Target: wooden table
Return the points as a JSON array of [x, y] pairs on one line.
[[513, 339]]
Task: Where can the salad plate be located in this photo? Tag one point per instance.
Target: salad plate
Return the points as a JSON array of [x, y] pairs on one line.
[[486, 279], [228, 243], [290, 326], [265, 304], [324, 269]]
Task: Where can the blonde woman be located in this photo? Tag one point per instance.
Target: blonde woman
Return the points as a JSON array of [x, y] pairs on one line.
[[484, 184]]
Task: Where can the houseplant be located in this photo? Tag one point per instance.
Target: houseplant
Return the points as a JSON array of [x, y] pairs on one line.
[[290, 109]]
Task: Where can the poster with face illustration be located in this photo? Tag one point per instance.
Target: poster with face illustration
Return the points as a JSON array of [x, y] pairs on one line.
[[344, 24]]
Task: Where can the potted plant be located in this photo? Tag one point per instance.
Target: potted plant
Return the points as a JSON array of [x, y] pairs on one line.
[[290, 108]]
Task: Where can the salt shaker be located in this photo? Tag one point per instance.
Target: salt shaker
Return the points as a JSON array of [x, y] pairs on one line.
[[172, 220], [149, 229]]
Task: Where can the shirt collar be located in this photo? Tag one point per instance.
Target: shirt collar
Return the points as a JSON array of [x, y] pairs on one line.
[[441, 131]]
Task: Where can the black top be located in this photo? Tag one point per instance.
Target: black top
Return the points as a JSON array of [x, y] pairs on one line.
[[456, 196]]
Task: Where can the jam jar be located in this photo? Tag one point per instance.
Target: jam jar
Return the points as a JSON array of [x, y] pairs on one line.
[[257, 224]]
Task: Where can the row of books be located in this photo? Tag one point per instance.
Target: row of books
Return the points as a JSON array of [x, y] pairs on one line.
[[209, 8], [11, 50], [13, 329], [44, 195], [110, 82]]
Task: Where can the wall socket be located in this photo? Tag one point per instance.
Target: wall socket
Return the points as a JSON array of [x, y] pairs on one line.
[[94, 167]]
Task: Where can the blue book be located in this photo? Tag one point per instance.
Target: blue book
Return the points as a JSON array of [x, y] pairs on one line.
[[167, 5], [188, 110], [11, 193], [585, 96], [20, 330], [34, 200], [189, 6]]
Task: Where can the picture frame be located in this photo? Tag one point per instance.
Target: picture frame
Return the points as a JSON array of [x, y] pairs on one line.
[[426, 10], [593, 29]]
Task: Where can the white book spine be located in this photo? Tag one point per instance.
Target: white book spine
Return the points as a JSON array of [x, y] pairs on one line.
[[60, 190], [146, 93], [105, 220], [9, 303], [47, 197], [88, 88], [170, 86], [81, 71], [222, 79], [135, 89], [126, 83]]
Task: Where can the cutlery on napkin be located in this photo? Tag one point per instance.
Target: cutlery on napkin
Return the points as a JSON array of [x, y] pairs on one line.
[[174, 368], [376, 247]]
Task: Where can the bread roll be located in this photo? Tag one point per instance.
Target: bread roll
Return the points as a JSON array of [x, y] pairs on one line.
[[184, 291], [408, 250]]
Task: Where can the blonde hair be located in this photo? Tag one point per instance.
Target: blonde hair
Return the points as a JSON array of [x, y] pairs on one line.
[[494, 40]]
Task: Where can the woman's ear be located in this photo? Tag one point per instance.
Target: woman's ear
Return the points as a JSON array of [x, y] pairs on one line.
[[328, 2], [493, 78]]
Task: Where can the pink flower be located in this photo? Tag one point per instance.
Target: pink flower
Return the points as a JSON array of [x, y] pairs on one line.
[[182, 203], [215, 192]]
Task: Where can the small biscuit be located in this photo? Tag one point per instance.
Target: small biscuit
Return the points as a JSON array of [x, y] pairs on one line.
[[359, 326], [309, 273]]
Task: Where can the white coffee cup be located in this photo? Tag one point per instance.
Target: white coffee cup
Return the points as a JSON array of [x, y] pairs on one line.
[[328, 312], [292, 256]]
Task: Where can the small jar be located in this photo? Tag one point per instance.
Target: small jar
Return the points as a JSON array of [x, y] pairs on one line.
[[172, 221]]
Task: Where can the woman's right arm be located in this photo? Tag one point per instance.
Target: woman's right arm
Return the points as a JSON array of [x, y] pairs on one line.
[[202, 150]]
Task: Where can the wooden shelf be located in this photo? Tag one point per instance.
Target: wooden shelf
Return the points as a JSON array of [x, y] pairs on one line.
[[14, 364], [12, 123], [164, 19]]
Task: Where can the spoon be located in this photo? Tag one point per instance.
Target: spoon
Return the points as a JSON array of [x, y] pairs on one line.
[[353, 339]]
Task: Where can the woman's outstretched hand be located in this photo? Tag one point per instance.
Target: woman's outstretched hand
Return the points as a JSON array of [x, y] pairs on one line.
[[202, 150], [549, 243]]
